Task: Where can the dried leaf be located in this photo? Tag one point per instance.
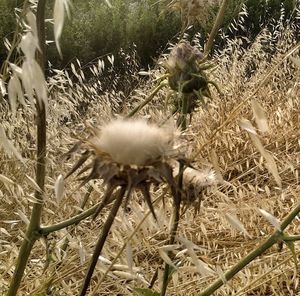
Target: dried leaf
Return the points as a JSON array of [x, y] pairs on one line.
[[23, 217], [81, 253], [104, 260], [8, 147], [246, 125], [111, 59], [202, 267], [33, 80], [270, 162], [296, 61], [15, 93], [33, 184], [6, 182], [166, 258], [129, 257], [215, 162], [272, 168], [234, 221], [271, 219], [59, 188], [108, 3], [31, 20], [59, 17], [260, 116], [2, 88]]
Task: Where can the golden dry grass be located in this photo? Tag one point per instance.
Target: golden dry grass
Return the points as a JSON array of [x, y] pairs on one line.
[[247, 187]]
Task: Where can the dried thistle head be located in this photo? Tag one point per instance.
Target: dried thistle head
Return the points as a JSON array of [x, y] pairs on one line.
[[128, 153], [194, 182]]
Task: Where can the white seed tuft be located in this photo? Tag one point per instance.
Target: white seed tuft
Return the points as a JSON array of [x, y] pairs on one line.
[[134, 142]]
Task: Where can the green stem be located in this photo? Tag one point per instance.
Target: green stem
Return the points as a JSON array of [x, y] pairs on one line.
[[32, 232], [99, 246], [184, 111], [291, 238], [214, 30], [149, 98], [273, 239], [74, 220]]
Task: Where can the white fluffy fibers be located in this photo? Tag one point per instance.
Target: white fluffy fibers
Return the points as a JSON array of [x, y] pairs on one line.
[[134, 142]]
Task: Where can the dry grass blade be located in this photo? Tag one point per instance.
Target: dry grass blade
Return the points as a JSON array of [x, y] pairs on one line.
[[270, 162], [260, 116]]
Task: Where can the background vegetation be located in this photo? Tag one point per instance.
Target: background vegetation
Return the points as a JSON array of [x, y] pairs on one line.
[[95, 29]]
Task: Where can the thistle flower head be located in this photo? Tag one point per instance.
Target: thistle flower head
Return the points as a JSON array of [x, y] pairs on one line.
[[136, 142], [127, 153], [183, 69], [195, 181], [182, 57]]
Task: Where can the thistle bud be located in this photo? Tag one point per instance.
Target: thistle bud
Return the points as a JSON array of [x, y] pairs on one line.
[[181, 64]]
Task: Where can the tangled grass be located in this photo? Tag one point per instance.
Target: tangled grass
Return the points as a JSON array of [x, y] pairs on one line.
[[208, 243]]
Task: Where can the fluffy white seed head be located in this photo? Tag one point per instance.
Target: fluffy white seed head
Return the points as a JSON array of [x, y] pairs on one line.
[[134, 142], [201, 178]]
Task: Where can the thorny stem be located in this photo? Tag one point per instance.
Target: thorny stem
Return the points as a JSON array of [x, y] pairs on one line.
[[125, 244], [214, 30], [74, 220], [291, 238], [44, 231], [175, 223], [273, 239], [149, 98], [102, 238], [32, 230]]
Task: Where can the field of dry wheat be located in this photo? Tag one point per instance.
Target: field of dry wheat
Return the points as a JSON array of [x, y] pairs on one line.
[[247, 135]]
